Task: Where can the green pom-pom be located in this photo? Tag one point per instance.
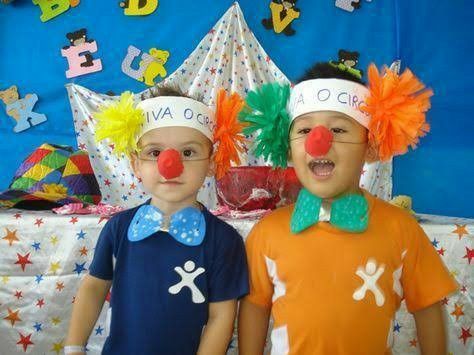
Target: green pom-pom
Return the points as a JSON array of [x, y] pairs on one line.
[[265, 112]]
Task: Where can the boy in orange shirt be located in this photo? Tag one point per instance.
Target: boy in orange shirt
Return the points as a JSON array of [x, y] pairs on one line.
[[333, 269]]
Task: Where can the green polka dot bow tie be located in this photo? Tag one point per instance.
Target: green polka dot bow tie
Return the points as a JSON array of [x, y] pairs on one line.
[[348, 213]]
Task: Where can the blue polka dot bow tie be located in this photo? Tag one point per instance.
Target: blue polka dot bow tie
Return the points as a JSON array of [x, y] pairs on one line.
[[186, 226], [348, 213]]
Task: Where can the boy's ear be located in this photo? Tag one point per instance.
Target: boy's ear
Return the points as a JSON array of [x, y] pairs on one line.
[[134, 164], [288, 158], [212, 167], [371, 154]]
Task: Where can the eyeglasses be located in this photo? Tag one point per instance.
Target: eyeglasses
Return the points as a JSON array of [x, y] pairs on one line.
[[299, 140], [152, 154]]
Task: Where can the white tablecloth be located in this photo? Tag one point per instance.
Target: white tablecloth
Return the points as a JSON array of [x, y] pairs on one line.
[[43, 256]]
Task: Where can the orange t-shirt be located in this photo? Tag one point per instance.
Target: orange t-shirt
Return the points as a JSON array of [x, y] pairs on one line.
[[333, 292]]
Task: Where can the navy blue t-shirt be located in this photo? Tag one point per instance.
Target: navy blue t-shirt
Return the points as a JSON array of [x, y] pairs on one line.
[[146, 317]]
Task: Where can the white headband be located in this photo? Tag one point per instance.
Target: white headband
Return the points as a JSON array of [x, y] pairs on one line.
[[329, 95], [172, 111]]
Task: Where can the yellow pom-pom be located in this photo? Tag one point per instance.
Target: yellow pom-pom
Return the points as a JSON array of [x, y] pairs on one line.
[[120, 122]]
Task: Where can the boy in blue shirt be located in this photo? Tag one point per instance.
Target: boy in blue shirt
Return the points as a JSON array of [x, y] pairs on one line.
[[176, 271]]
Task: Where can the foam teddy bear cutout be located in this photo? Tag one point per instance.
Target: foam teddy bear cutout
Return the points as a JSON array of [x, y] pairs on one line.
[[150, 66], [78, 54], [156, 67], [404, 202], [347, 62], [21, 110]]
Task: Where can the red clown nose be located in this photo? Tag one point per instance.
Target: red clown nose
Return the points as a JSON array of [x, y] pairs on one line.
[[170, 165], [319, 141]]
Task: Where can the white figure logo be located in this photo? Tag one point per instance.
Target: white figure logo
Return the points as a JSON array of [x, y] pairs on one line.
[[370, 274], [187, 280], [397, 275]]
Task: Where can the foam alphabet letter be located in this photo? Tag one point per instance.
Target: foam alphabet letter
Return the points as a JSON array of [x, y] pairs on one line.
[[132, 53], [79, 55], [280, 24], [137, 8], [282, 14], [51, 8], [348, 5], [21, 110]]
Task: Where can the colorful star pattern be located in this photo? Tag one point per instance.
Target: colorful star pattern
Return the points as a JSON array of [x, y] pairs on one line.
[[465, 334], [99, 330], [460, 230], [38, 278], [57, 347], [469, 255], [56, 280], [397, 328], [54, 267], [38, 327], [23, 260], [53, 240], [457, 311], [39, 222], [25, 341], [83, 251], [10, 237], [32, 318], [79, 268], [13, 316]]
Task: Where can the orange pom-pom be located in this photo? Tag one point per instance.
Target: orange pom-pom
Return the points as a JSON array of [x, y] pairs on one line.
[[397, 105], [227, 134]]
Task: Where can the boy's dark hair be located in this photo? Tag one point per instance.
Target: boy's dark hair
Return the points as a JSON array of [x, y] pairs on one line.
[[168, 91], [328, 71]]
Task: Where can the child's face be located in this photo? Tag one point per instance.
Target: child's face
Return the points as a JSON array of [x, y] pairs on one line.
[[338, 172], [195, 150]]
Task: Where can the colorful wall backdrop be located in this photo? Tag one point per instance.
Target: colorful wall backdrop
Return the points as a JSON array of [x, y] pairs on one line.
[[429, 37]]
